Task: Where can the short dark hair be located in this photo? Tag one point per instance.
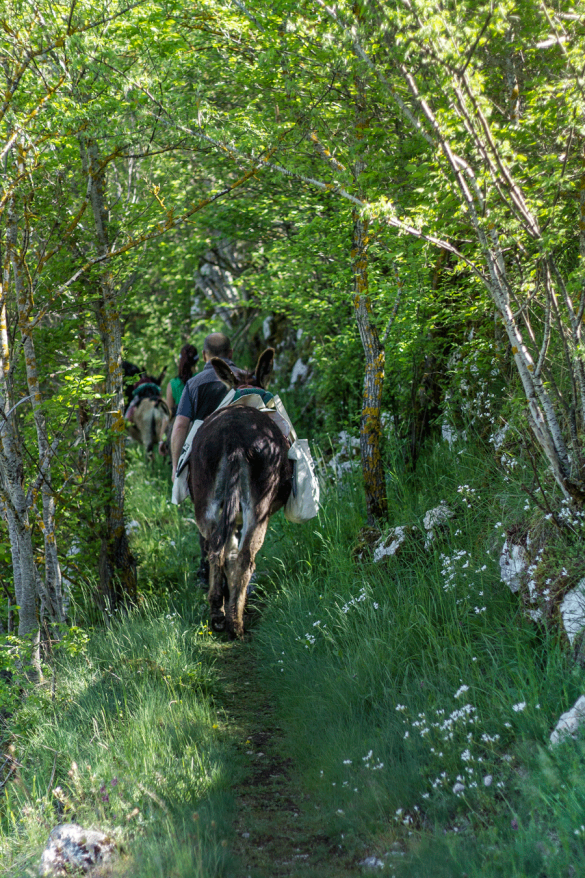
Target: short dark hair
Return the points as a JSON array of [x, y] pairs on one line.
[[217, 345]]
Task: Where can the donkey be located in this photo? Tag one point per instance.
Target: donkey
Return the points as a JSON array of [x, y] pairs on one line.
[[150, 422], [148, 415], [239, 475]]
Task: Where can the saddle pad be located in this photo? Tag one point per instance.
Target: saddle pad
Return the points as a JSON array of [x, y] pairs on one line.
[[274, 408]]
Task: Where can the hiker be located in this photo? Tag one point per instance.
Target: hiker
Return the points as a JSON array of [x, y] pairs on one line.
[[188, 359], [202, 393], [201, 396]]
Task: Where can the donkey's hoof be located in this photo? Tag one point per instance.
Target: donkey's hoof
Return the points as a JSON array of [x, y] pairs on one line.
[[218, 623], [236, 632]]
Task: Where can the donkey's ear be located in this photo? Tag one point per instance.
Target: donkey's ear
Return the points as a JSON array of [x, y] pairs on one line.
[[264, 367], [224, 373]]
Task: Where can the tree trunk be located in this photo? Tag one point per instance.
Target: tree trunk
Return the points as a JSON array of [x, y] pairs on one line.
[[117, 567], [371, 417], [13, 500], [50, 591], [370, 424]]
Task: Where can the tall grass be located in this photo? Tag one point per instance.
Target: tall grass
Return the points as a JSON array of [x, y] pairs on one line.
[[124, 737], [417, 697]]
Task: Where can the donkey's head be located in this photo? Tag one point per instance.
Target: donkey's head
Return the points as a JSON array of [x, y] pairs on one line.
[[234, 378]]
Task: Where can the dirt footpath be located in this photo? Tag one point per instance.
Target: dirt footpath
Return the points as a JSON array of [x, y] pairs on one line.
[[275, 828]]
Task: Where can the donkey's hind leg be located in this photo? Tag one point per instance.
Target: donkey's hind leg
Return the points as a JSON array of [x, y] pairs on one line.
[[216, 596], [239, 575], [218, 589]]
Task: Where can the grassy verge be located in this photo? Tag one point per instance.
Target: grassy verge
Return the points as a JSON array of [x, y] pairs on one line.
[[125, 737], [417, 697]]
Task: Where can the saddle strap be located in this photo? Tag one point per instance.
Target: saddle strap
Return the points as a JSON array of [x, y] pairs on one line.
[[186, 451]]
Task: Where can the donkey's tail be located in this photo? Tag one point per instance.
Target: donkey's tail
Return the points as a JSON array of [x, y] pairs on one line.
[[228, 493], [161, 404], [152, 439], [159, 410]]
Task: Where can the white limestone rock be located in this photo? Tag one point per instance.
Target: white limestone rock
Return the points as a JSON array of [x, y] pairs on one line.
[[372, 863], [347, 458], [569, 722], [439, 515], [74, 850], [573, 611], [348, 442], [386, 549], [513, 564], [71, 849], [392, 542], [434, 519], [299, 373]]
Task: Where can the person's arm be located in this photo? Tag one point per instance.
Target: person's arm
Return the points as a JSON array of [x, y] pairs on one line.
[[186, 412], [169, 398], [179, 434]]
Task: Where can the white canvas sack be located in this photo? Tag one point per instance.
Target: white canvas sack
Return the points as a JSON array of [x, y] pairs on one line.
[[303, 503], [181, 484]]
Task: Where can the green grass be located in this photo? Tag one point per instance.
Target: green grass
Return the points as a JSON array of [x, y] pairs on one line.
[[124, 736], [392, 682], [368, 662]]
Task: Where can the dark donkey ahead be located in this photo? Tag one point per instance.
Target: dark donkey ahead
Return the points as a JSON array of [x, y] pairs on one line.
[[239, 476]]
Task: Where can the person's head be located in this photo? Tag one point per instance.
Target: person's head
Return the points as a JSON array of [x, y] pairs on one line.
[[187, 360], [217, 345]]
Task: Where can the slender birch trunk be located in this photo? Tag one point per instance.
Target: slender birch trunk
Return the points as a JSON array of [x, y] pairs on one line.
[[117, 568], [13, 499], [370, 424], [50, 590], [371, 415]]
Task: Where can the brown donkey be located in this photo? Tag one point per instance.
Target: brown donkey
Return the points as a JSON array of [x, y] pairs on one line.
[[239, 476]]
